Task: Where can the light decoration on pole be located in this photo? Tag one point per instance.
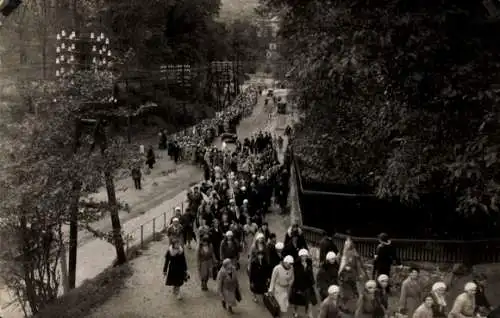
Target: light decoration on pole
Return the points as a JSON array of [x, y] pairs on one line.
[[65, 53]]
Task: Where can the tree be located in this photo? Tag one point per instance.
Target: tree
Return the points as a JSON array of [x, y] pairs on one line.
[[400, 94]]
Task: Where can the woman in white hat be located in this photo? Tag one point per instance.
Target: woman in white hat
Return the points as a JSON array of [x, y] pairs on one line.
[[281, 282], [276, 254], [382, 291], [367, 306], [330, 305], [175, 231], [465, 303], [438, 294], [328, 274], [303, 293]]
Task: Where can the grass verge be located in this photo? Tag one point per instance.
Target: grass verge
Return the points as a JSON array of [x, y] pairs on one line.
[[94, 292]]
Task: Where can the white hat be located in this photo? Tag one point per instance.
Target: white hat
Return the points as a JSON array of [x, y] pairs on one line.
[[303, 252], [384, 277], [333, 289], [330, 256], [259, 236], [288, 259], [245, 201], [279, 246], [262, 177], [243, 188], [470, 286], [229, 233], [371, 283], [177, 208], [175, 220], [438, 285]]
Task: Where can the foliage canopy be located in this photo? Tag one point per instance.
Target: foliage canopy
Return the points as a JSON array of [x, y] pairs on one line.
[[401, 93]]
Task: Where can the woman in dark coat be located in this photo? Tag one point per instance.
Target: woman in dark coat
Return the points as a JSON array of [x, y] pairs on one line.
[[303, 293], [385, 257], [260, 274], [150, 158], [175, 268]]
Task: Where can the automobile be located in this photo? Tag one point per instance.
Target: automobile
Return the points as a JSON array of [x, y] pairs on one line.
[[229, 138]]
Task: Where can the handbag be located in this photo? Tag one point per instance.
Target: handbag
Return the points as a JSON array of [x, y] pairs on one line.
[[272, 305]]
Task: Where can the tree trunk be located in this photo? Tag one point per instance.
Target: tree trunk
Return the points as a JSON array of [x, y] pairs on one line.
[[121, 257], [73, 234]]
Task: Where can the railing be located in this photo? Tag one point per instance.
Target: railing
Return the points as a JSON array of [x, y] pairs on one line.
[[148, 231], [415, 250]]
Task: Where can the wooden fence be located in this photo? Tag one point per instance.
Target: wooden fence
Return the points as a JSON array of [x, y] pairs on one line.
[[413, 250]]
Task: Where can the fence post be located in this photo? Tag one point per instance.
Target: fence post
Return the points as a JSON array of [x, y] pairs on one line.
[[164, 221], [142, 236], [154, 229]]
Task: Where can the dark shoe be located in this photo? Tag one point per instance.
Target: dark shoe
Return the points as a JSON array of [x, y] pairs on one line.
[[230, 310]]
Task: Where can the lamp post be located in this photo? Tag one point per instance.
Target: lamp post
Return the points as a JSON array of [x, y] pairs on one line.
[[73, 52]]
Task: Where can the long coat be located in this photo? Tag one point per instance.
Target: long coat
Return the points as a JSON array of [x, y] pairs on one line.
[[206, 261], [302, 292], [228, 286], [411, 296], [328, 275], [175, 267], [260, 274], [232, 252], [385, 257]]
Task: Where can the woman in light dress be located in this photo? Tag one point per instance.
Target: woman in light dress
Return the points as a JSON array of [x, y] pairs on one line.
[[465, 303], [281, 282], [411, 293], [439, 309]]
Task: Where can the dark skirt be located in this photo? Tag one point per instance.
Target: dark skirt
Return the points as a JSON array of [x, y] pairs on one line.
[[299, 298]]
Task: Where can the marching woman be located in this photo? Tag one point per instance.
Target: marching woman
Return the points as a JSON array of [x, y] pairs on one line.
[[328, 274], [382, 292], [206, 261], [303, 293], [425, 309], [259, 274], [228, 285], [411, 293], [175, 268], [281, 282], [330, 306], [438, 294], [368, 306]]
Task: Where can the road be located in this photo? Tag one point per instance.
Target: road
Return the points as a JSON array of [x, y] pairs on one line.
[[145, 294]]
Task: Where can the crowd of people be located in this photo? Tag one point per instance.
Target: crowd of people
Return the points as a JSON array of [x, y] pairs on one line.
[[226, 220]]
